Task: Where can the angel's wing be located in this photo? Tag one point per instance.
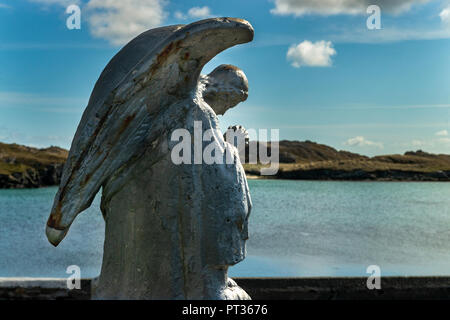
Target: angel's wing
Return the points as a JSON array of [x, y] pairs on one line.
[[156, 69]]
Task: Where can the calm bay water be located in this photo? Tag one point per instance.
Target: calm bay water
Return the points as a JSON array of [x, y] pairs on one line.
[[297, 228]]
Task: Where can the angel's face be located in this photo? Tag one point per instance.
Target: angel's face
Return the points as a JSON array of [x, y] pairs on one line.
[[225, 87]]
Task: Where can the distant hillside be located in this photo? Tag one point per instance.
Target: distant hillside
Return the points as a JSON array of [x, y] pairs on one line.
[[313, 161], [26, 167], [308, 151]]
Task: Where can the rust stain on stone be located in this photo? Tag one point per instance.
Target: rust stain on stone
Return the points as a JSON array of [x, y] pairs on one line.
[[171, 48], [126, 123], [77, 165], [55, 218], [90, 174], [230, 67], [86, 179]]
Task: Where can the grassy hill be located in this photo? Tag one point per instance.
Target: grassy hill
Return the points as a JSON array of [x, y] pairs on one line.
[[26, 167], [310, 160]]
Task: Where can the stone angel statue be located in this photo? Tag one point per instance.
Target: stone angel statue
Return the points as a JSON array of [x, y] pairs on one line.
[[172, 230]]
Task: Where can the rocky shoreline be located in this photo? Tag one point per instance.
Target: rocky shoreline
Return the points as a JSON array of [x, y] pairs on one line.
[[355, 175], [45, 176], [307, 160]]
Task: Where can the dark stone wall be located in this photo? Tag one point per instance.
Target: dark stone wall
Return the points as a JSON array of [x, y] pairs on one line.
[[272, 289], [45, 291], [350, 288]]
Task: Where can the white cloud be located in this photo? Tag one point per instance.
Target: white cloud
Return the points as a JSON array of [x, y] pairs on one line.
[[179, 15], [199, 12], [312, 54], [360, 141], [442, 133], [5, 6], [195, 13], [10, 135], [445, 15], [119, 21], [417, 143], [437, 145], [334, 7], [444, 140], [64, 3]]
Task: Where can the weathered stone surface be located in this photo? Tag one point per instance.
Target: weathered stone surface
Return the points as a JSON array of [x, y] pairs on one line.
[[172, 230]]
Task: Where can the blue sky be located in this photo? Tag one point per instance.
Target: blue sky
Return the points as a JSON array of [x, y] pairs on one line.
[[315, 70]]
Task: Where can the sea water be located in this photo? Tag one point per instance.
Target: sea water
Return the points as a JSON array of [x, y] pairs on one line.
[[297, 228]]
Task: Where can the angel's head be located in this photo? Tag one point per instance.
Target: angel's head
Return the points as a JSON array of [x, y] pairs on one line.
[[225, 87]]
